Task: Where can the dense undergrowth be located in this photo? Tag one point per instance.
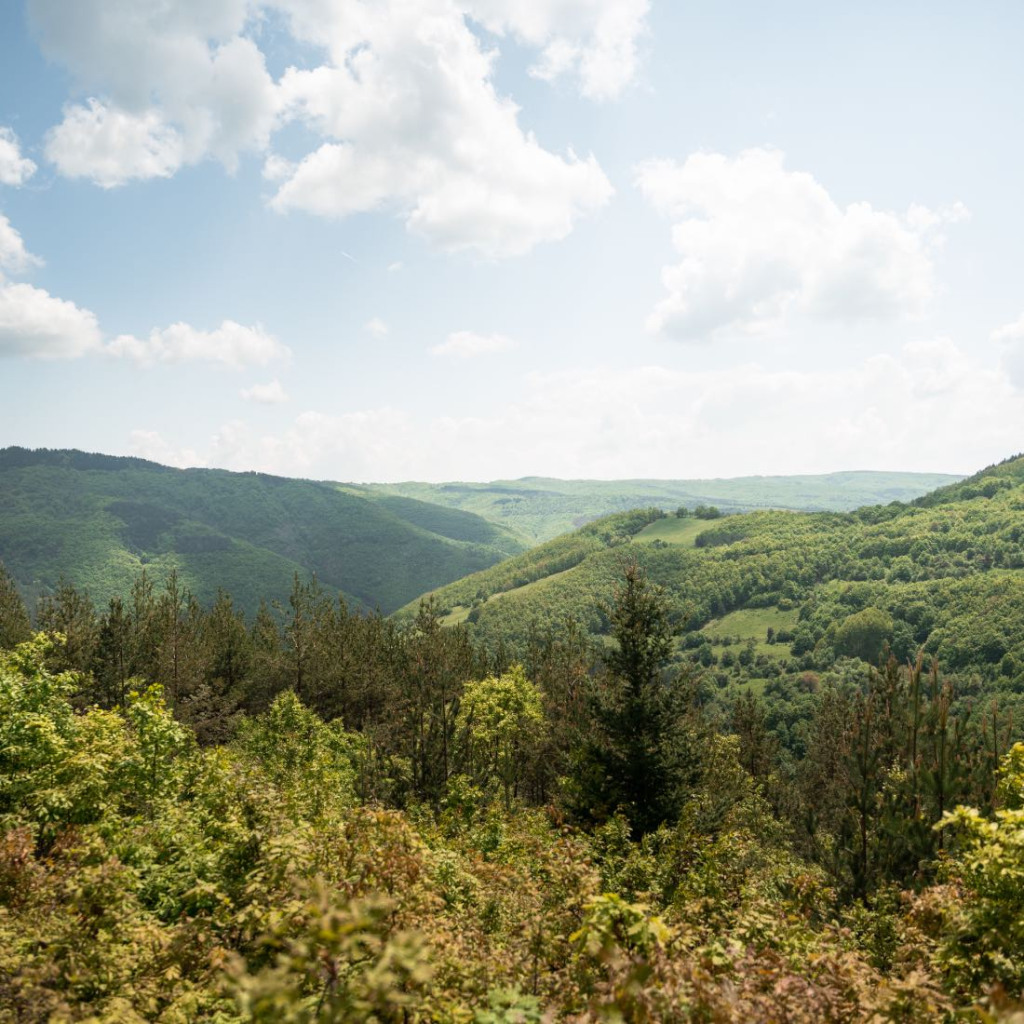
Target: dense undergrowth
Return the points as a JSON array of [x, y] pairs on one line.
[[466, 841]]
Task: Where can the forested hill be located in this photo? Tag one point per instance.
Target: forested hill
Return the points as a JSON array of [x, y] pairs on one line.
[[98, 519], [540, 508], [945, 573], [1003, 476]]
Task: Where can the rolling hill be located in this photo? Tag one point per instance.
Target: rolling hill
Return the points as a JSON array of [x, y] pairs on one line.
[[97, 520], [945, 573], [540, 508]]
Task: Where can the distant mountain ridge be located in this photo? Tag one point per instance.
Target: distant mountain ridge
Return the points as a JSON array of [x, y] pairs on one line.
[[540, 508]]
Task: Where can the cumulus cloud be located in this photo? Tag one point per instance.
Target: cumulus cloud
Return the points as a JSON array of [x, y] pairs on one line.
[[265, 394], [14, 168], [35, 323], [32, 321], [591, 41], [404, 105], [467, 344], [14, 256], [231, 344], [172, 84], [414, 124], [1010, 333], [111, 146], [659, 422], [377, 327], [759, 242]]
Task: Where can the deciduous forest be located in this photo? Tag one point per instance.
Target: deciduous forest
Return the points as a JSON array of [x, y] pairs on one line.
[[666, 768]]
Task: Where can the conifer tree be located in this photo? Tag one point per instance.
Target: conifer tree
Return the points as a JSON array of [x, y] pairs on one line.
[[643, 754], [70, 612], [15, 627]]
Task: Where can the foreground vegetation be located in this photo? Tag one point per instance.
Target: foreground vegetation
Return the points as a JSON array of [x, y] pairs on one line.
[[344, 818]]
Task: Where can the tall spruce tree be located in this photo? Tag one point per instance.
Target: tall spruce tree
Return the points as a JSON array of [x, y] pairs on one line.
[[642, 753]]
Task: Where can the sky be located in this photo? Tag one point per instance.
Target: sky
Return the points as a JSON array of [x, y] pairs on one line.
[[381, 240]]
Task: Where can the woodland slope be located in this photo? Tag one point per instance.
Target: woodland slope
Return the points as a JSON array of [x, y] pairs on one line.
[[98, 520]]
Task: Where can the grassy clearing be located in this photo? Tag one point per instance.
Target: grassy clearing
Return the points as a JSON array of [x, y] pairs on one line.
[[673, 531], [753, 624], [456, 616]]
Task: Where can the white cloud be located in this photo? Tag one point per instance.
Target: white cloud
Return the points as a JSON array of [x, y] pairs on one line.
[[149, 444], [111, 146], [1010, 332], [758, 242], [175, 83], [231, 344], [593, 41], [930, 406], [467, 344], [14, 168], [35, 323], [414, 124], [14, 257], [265, 394], [1010, 339], [376, 327], [404, 105]]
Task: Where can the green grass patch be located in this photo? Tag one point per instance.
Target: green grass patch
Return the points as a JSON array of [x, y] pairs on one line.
[[672, 531], [752, 624]]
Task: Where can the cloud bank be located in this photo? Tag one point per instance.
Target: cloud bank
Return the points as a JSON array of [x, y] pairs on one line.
[[930, 405]]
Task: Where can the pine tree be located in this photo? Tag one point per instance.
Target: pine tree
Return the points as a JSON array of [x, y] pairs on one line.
[[70, 612], [113, 655], [15, 627], [644, 752]]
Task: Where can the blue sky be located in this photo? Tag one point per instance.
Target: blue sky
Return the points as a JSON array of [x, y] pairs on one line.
[[471, 239]]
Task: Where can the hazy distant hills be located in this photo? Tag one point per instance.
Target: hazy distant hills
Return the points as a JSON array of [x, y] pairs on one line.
[[97, 520], [539, 508]]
